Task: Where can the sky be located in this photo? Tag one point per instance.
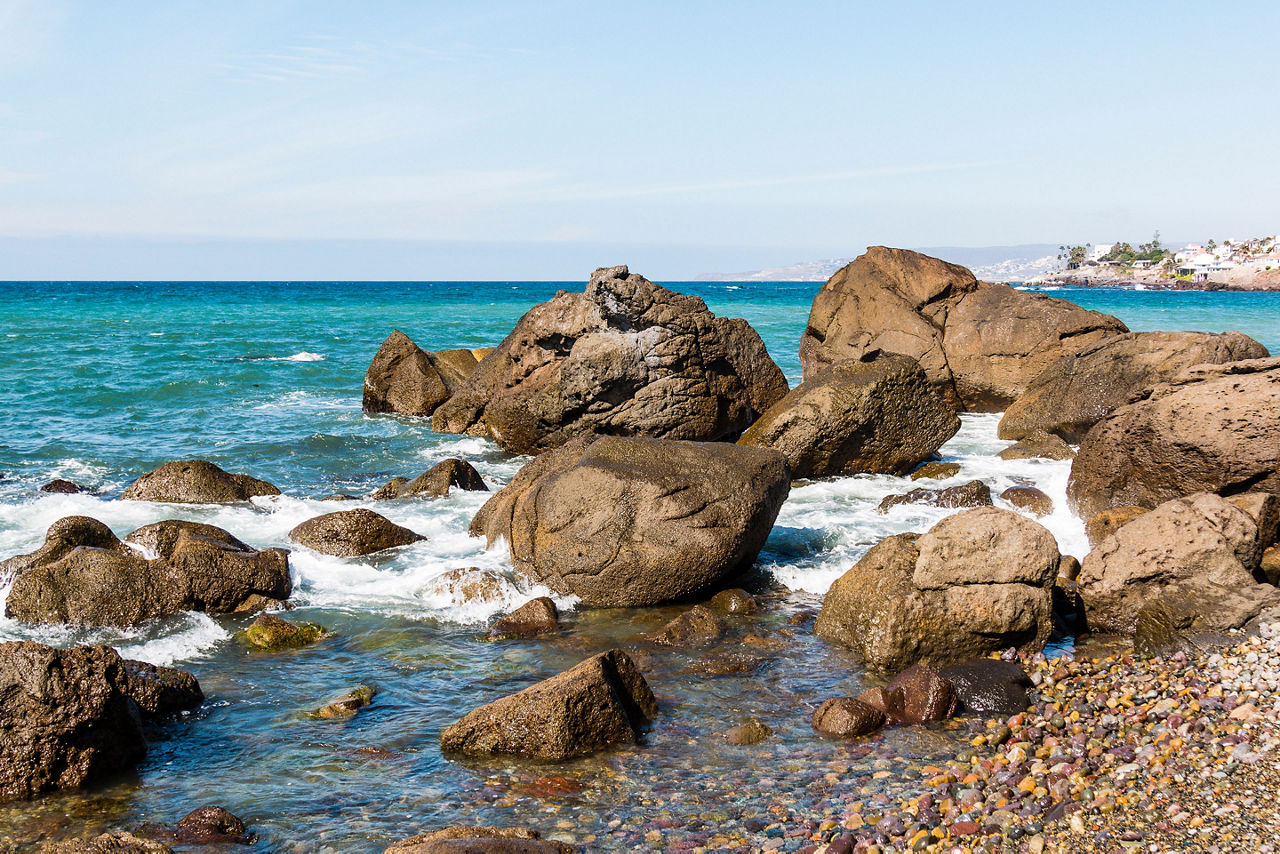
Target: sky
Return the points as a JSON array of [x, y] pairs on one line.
[[478, 140]]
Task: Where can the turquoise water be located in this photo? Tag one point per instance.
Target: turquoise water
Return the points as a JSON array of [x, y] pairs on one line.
[[107, 380]]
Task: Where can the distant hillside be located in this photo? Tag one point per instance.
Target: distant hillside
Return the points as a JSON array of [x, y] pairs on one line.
[[990, 263]]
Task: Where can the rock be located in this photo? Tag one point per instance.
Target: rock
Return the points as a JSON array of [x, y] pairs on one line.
[[697, 627], [602, 701], [1029, 498], [348, 704], [59, 486], [1264, 509], [270, 632], [846, 717], [160, 692], [255, 602], [535, 617], [751, 732], [1269, 566], [188, 567], [1194, 617], [990, 687], [1214, 428], [625, 357], [352, 533], [975, 493], [211, 825], [1105, 522], [1187, 542], [936, 471], [924, 695], [407, 380], [733, 601], [1038, 446], [879, 415], [434, 483], [978, 582], [65, 718], [980, 345], [112, 842], [1082, 388], [195, 482], [470, 584], [1068, 568], [480, 840], [626, 522]]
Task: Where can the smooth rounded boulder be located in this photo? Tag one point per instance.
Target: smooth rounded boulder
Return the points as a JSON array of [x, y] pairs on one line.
[[978, 582], [626, 522], [979, 344], [85, 576], [847, 717], [1214, 428], [406, 380], [196, 482], [625, 357], [879, 415], [990, 687], [1080, 389], [352, 533]]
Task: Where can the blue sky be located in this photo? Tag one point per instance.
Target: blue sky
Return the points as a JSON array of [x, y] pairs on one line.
[[531, 140]]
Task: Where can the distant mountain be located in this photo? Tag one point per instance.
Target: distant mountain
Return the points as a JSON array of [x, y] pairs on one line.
[[989, 263]]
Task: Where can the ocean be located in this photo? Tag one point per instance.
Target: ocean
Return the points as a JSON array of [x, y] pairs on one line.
[[106, 380]]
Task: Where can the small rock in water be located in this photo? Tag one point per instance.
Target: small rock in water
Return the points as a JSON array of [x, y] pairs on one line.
[[210, 825], [751, 732], [535, 617], [62, 487], [269, 632], [348, 704], [733, 601]]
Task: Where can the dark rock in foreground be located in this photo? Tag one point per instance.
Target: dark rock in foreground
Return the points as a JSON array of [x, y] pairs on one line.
[[479, 840], [407, 380], [602, 701], [625, 357], [196, 482], [630, 522], [352, 533], [160, 692]]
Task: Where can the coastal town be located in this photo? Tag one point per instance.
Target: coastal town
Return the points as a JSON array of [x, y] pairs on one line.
[[1232, 264]]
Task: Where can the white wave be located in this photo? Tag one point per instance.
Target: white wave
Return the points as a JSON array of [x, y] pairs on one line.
[[195, 635], [303, 356], [305, 401]]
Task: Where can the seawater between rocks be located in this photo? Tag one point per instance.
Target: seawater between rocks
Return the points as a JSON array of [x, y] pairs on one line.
[[107, 380]]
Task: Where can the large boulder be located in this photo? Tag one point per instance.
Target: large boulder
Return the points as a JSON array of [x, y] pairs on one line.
[[879, 415], [979, 581], [1215, 428], [352, 533], [196, 482], [65, 718], [1191, 618], [1201, 539], [407, 380], [82, 577], [602, 701], [980, 345], [625, 357], [628, 522], [1082, 388]]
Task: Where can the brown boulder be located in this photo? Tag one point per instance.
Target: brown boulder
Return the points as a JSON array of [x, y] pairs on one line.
[[196, 482], [1082, 388], [1264, 509], [625, 357], [435, 482], [990, 687], [1105, 522], [1269, 565], [975, 493], [602, 701], [160, 692], [64, 536], [479, 840], [623, 522], [1215, 428], [1028, 498], [405, 379], [1185, 543], [111, 842], [697, 627], [1038, 446], [1200, 617], [751, 732], [847, 717], [535, 617], [733, 601], [352, 533], [980, 345], [979, 581], [210, 825], [178, 566], [879, 415], [920, 695], [469, 584], [59, 486], [936, 471]]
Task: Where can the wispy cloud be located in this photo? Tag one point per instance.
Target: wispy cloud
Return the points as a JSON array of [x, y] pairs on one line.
[[314, 56]]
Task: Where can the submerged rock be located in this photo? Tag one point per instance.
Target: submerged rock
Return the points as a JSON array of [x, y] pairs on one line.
[[270, 632], [975, 493], [630, 522], [407, 380], [751, 732], [196, 482], [480, 840], [697, 627], [625, 357], [602, 701], [733, 601], [348, 704], [352, 533], [535, 617], [878, 415], [847, 717], [469, 584]]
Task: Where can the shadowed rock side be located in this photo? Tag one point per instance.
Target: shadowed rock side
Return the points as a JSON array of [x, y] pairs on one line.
[[624, 522], [980, 345], [1082, 388], [1214, 428], [407, 380], [879, 415], [352, 533], [435, 482], [160, 692], [602, 701], [84, 576], [480, 840], [977, 582], [625, 357], [196, 482]]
